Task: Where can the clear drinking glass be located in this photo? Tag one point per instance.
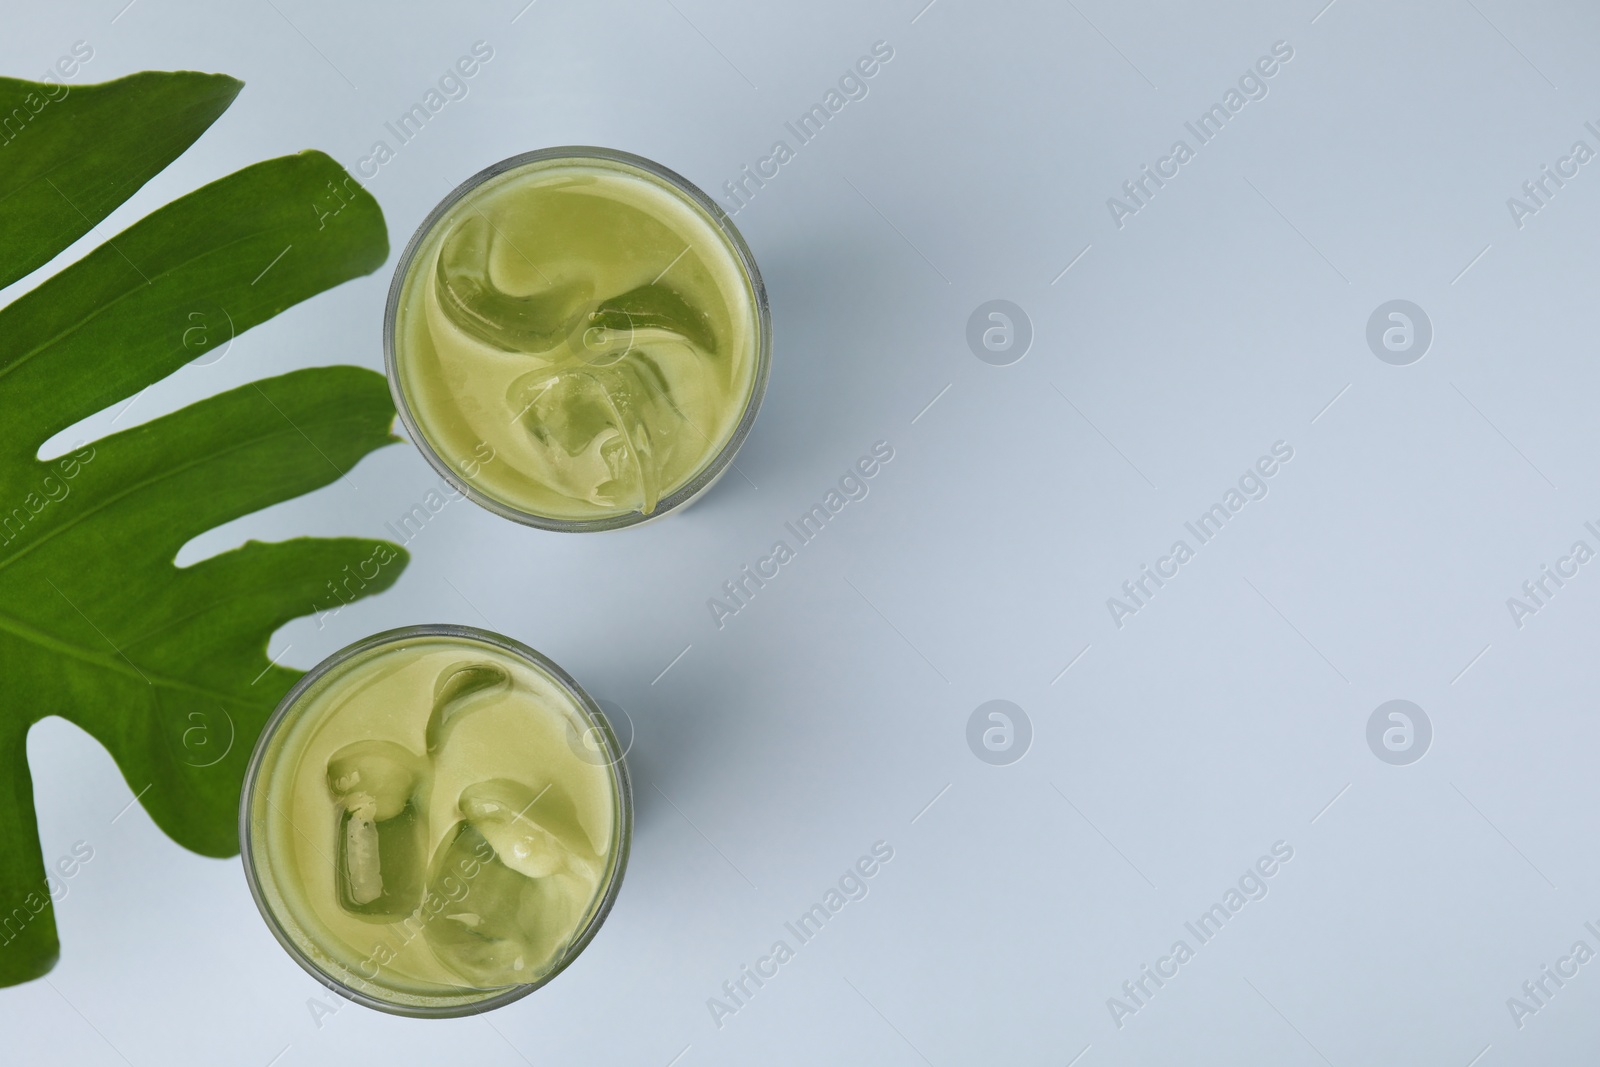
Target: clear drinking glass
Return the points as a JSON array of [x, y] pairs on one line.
[[578, 339], [379, 827]]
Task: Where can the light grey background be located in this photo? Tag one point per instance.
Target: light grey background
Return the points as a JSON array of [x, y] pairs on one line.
[[1230, 713]]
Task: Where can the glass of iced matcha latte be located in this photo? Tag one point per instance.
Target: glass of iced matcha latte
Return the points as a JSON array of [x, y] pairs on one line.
[[578, 339], [435, 821]]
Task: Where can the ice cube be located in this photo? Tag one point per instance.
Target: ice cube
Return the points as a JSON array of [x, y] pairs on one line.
[[475, 918], [379, 868], [380, 865], [657, 307], [362, 880], [377, 777], [527, 830], [606, 431], [457, 690], [533, 322]]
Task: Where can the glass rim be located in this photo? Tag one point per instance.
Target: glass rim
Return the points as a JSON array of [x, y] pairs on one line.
[[714, 468], [619, 774]]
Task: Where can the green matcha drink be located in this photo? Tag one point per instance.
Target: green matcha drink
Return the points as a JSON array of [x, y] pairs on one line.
[[436, 821], [578, 339]]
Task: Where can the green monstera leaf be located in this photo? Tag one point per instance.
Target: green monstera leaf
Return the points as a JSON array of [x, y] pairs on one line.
[[165, 666]]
